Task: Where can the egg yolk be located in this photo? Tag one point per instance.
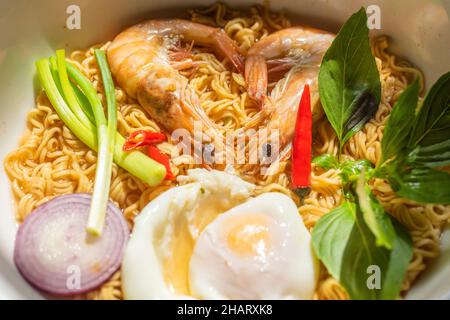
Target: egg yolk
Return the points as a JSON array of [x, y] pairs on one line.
[[249, 234]]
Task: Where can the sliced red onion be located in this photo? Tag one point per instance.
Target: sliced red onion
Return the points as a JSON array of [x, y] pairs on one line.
[[54, 253]]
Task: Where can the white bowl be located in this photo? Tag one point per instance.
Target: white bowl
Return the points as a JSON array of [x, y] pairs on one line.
[[32, 29]]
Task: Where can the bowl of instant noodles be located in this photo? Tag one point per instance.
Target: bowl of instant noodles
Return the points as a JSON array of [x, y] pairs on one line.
[[225, 150]]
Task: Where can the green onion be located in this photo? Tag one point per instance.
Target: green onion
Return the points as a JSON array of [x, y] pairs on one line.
[[79, 95], [67, 90], [106, 134], [78, 128], [83, 102], [136, 163]]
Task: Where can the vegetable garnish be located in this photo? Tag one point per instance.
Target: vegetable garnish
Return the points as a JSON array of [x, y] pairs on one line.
[[301, 146], [106, 132], [64, 112], [136, 163], [346, 246], [400, 122], [361, 228], [414, 152], [349, 82], [158, 156], [350, 90], [55, 254], [67, 89], [373, 213], [411, 154], [142, 138]]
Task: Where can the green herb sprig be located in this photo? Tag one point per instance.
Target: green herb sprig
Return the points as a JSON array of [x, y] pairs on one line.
[[359, 234], [413, 153], [349, 82]]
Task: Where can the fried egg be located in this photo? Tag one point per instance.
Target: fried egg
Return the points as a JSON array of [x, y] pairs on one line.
[[257, 250], [209, 239]]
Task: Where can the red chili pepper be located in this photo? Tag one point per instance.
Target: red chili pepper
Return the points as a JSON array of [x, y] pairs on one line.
[[158, 156], [301, 146], [142, 138]]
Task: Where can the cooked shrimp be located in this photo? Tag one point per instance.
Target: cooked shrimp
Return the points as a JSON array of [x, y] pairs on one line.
[[296, 50], [140, 60]]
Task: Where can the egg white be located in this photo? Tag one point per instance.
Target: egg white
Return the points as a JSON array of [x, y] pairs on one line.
[[176, 223], [205, 195], [280, 265]]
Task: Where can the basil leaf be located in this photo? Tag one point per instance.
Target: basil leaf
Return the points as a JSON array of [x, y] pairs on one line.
[[364, 108], [401, 255], [400, 122], [374, 216], [349, 82], [326, 161], [351, 169], [436, 155], [432, 125], [420, 183], [347, 248], [331, 234], [411, 175], [361, 253]]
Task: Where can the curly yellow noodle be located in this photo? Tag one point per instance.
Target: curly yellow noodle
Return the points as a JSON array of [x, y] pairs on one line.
[[51, 161]]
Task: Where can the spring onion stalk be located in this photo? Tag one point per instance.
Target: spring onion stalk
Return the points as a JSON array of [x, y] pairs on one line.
[[150, 172], [105, 143], [80, 97], [100, 197], [83, 102], [55, 75], [136, 163], [65, 113], [67, 89]]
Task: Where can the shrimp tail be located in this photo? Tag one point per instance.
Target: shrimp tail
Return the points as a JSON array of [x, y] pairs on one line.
[[226, 47], [256, 77]]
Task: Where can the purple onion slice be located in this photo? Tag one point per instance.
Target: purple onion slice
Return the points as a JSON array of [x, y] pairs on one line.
[[54, 253]]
